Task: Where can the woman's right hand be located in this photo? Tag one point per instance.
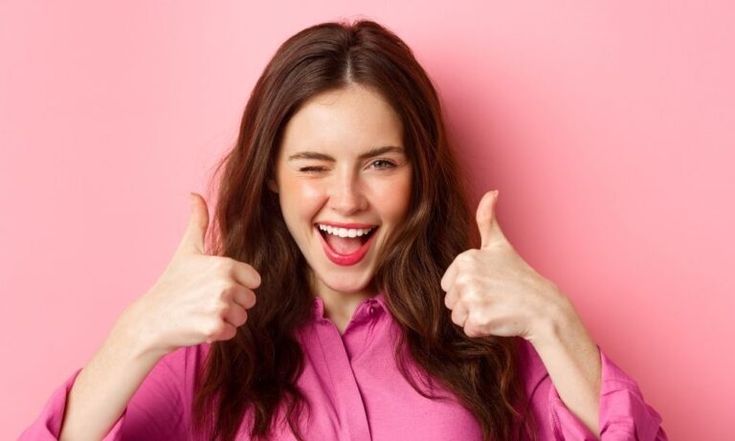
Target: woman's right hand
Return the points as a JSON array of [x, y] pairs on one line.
[[198, 298]]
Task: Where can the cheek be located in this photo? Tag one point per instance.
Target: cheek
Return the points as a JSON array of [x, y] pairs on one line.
[[299, 198], [393, 198]]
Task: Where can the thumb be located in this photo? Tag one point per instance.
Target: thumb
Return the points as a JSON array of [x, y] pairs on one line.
[[487, 221], [193, 240]]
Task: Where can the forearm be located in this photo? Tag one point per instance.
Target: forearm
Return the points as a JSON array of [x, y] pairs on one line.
[[572, 360], [103, 388]]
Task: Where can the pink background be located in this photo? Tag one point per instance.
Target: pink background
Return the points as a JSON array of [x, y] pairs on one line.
[[607, 127]]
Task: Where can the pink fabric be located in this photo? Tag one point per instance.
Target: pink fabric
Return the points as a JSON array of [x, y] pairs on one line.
[[359, 394]]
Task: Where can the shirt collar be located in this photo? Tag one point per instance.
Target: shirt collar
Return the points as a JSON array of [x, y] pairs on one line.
[[367, 306]]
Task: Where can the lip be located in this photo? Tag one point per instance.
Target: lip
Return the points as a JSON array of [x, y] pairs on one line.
[[345, 259]]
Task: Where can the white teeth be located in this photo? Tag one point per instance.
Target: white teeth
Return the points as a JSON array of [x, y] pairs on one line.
[[345, 232]]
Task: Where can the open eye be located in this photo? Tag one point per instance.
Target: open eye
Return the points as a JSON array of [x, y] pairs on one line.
[[389, 164]]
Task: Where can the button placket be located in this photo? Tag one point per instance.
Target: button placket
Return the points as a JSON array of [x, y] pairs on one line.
[[352, 412]]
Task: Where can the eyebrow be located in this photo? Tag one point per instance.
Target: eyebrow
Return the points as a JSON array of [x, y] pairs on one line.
[[369, 154]]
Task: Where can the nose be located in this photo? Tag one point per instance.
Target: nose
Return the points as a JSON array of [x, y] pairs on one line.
[[346, 194]]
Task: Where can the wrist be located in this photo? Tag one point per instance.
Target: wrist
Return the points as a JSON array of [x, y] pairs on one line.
[[549, 326], [129, 331], [563, 329]]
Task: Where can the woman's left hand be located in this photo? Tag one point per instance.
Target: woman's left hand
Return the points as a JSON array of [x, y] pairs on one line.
[[493, 291]]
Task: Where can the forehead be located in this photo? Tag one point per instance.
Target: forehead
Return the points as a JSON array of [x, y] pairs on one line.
[[350, 119]]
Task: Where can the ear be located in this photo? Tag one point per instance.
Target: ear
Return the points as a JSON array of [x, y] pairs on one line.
[[271, 183]]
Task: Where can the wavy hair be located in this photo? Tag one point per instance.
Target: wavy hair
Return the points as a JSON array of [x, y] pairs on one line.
[[257, 370]]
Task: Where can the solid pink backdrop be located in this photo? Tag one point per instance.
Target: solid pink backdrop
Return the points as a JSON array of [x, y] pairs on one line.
[[607, 127]]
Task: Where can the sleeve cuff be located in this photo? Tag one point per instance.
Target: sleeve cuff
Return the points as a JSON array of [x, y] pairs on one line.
[[624, 415], [47, 425], [567, 426]]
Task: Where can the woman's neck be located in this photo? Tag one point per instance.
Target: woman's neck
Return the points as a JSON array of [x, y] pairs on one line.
[[339, 306]]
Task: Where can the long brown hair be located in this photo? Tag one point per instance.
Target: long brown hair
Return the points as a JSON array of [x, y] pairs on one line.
[[258, 369]]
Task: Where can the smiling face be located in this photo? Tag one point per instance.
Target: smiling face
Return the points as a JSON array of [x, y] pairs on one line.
[[342, 163]]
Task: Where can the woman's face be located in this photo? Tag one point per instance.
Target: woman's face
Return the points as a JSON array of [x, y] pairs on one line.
[[342, 165]]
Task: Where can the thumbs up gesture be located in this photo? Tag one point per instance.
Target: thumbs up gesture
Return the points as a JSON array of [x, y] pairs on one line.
[[198, 298], [493, 291]]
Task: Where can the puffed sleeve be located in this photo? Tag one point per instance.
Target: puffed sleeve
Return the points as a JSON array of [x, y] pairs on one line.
[[156, 411], [624, 415]]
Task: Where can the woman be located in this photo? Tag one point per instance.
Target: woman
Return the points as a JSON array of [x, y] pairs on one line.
[[342, 210]]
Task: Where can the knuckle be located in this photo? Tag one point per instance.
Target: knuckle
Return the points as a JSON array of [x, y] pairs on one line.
[[463, 279], [230, 333], [463, 266], [225, 265], [239, 295], [447, 302], [225, 290], [256, 278], [242, 318], [245, 274], [214, 328], [223, 296], [456, 317], [249, 298], [465, 258], [220, 308], [253, 274]]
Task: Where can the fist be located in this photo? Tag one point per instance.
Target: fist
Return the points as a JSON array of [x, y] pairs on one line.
[[198, 298], [492, 290]]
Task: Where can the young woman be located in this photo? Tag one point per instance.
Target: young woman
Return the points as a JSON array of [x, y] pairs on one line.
[[342, 210]]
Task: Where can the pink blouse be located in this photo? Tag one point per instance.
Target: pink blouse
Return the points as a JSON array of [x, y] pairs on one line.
[[358, 394]]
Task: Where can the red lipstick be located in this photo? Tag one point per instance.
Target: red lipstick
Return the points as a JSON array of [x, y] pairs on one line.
[[345, 259]]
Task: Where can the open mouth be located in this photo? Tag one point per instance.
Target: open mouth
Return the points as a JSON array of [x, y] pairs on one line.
[[345, 246], [364, 238]]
